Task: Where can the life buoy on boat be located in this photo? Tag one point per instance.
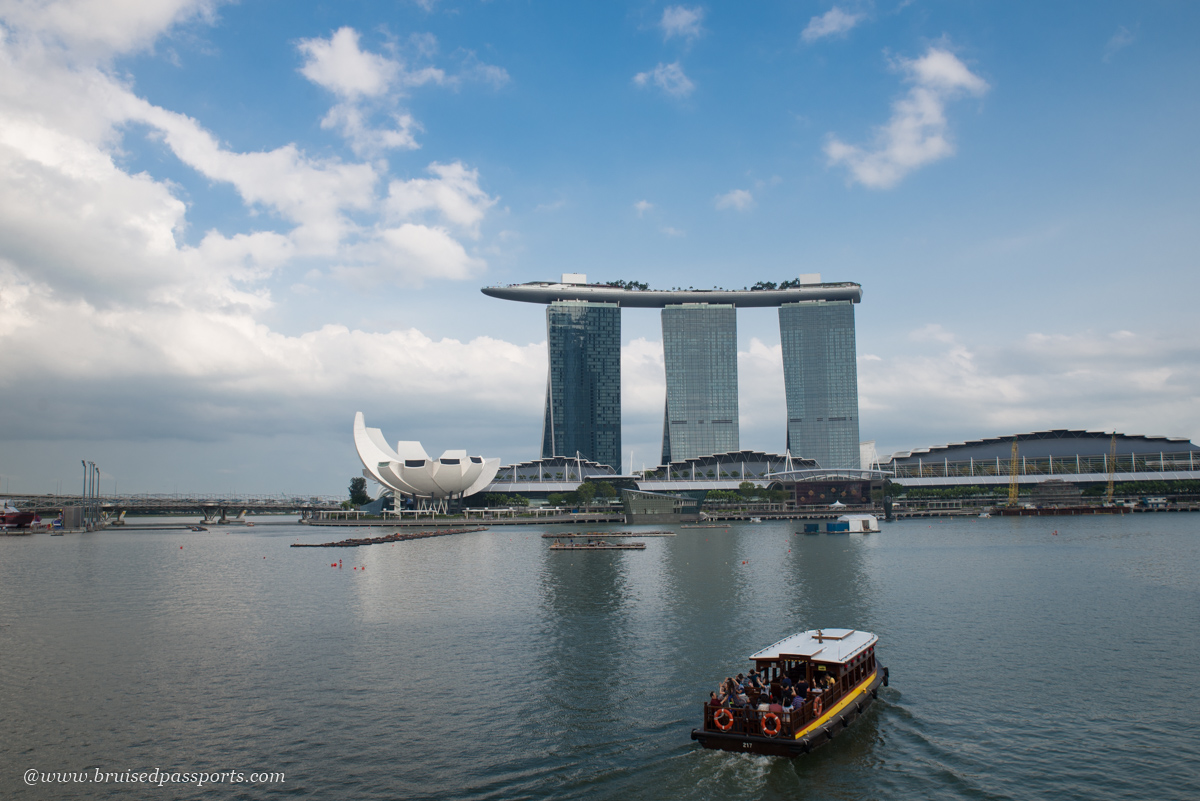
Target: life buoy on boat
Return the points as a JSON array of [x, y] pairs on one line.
[[771, 724], [723, 719], [818, 707]]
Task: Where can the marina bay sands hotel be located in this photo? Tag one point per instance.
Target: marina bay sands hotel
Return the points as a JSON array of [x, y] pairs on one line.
[[583, 389]]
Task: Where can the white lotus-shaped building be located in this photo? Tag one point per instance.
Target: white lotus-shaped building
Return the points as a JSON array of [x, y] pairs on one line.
[[409, 470]]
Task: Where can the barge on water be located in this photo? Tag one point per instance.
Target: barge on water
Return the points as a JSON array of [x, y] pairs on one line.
[[597, 545], [836, 678]]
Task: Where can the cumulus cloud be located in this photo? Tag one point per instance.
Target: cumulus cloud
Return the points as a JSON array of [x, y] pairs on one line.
[[340, 66], [365, 83], [139, 327], [739, 199], [917, 134], [682, 22], [668, 77], [453, 194], [642, 206], [946, 389], [833, 22], [101, 28]]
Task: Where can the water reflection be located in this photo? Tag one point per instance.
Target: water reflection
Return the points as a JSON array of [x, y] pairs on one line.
[[586, 610]]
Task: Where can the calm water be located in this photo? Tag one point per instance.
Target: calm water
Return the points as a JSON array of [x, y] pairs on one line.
[[1024, 664]]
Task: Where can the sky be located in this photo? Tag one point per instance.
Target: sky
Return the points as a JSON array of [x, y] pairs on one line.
[[225, 227]]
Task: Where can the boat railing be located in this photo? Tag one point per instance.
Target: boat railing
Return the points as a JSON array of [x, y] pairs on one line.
[[748, 720]]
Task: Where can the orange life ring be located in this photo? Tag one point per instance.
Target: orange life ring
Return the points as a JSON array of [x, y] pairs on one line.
[[723, 714], [818, 707], [767, 727]]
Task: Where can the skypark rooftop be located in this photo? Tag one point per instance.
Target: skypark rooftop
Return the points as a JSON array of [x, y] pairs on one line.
[[547, 292]]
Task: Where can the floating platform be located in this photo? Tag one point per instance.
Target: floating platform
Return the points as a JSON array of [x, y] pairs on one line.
[[692, 525], [1063, 510], [396, 537], [598, 546], [594, 535]]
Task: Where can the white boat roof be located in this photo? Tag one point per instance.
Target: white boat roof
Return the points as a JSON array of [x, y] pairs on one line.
[[822, 645]]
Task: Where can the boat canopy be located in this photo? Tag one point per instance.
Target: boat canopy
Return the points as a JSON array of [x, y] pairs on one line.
[[821, 645]]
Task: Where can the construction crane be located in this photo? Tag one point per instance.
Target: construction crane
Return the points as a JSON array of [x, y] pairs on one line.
[[1012, 476], [1112, 469]]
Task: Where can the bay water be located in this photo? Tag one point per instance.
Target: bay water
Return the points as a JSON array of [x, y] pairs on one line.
[[1030, 658]]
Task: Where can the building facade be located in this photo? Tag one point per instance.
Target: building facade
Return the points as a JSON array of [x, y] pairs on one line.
[[820, 377], [700, 354], [583, 388]]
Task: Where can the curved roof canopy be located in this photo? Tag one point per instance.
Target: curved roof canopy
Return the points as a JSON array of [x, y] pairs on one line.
[[409, 470], [1058, 443], [547, 292]]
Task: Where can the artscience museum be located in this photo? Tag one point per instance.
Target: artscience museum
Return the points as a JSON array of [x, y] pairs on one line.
[[408, 470]]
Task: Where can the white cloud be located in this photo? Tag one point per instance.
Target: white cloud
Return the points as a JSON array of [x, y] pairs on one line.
[[739, 199], [1120, 40], [833, 22], [642, 206], [366, 82], [944, 389], [98, 282], [453, 194], [682, 21], [339, 65], [364, 140], [668, 77], [98, 29], [672, 232], [408, 255], [916, 134]]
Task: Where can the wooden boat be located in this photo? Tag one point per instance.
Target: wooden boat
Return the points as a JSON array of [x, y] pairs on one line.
[[841, 662]]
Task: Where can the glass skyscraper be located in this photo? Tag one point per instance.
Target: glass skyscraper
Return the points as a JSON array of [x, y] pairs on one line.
[[583, 389], [700, 352], [820, 377]]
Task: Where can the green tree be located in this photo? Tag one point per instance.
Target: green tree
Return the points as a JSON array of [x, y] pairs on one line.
[[586, 493], [358, 491]]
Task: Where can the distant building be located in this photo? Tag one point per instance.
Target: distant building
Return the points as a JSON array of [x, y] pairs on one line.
[[658, 507], [583, 403], [1071, 455], [583, 389], [700, 354], [820, 378]]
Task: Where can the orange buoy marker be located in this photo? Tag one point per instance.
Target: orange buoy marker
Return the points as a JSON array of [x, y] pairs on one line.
[[1056, 532]]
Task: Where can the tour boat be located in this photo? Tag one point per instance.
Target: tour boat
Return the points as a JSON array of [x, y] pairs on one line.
[[839, 668]]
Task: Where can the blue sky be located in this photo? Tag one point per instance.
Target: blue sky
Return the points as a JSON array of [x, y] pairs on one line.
[[226, 227]]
